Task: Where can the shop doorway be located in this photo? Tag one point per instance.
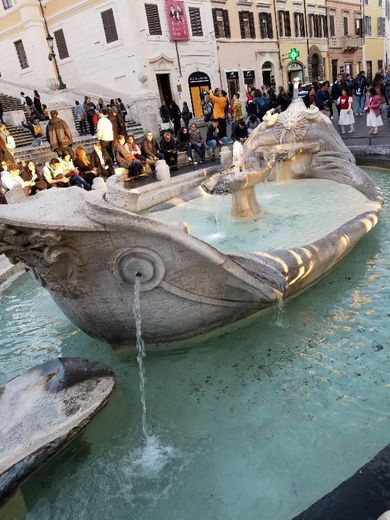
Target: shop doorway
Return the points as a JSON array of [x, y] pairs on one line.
[[198, 83], [267, 74], [295, 71], [164, 87], [315, 67], [335, 69], [233, 83]]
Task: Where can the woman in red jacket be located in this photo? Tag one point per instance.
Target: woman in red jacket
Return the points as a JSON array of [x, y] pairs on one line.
[[373, 111]]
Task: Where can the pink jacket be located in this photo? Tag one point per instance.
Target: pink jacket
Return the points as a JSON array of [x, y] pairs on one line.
[[374, 103]]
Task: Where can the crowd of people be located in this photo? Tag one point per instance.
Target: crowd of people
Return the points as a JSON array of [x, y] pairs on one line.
[[114, 147]]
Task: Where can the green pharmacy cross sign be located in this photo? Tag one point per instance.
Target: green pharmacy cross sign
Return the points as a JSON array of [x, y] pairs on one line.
[[293, 55]]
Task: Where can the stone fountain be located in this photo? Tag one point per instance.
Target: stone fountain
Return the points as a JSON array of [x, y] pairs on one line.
[[87, 248]]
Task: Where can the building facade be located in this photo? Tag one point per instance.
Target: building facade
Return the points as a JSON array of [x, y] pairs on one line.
[[345, 37], [113, 48], [374, 30]]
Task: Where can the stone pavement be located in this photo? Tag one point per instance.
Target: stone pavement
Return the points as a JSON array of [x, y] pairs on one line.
[[361, 135]]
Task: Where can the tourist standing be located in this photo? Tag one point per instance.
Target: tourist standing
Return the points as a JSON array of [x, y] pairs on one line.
[[122, 109], [322, 99], [186, 114], [81, 117], [59, 135], [346, 117], [373, 110], [236, 108], [37, 102], [175, 114], [105, 133], [360, 85], [118, 125], [90, 110], [219, 107], [165, 115], [207, 108]]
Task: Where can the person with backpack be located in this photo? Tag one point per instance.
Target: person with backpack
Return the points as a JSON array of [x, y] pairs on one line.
[[261, 104], [360, 85], [35, 130]]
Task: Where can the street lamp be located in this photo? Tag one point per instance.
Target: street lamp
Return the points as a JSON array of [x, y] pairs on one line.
[[52, 56]]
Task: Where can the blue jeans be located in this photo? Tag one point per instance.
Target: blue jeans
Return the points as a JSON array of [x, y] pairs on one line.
[[213, 143], [200, 149], [137, 167], [76, 180], [361, 103]]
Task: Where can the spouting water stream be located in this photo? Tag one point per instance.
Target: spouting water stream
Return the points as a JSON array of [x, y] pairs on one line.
[[141, 353]]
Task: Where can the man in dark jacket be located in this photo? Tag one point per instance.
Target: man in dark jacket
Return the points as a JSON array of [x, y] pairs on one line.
[[359, 85], [338, 86], [240, 132], [59, 135], [118, 125]]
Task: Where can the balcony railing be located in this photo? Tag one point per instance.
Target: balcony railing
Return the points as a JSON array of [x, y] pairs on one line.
[[346, 42]]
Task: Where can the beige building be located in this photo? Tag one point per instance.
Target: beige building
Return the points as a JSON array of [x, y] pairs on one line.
[[247, 44], [374, 27]]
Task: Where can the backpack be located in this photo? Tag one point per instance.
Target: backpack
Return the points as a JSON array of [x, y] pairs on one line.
[[37, 130], [11, 145], [29, 101], [261, 104]]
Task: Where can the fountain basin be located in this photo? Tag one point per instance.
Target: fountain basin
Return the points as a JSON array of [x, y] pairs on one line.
[[88, 252]]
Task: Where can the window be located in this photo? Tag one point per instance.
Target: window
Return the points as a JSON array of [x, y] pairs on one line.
[[318, 26], [61, 44], [7, 4], [332, 26], [247, 24], [380, 65], [221, 23], [367, 25], [299, 24], [109, 26], [153, 19], [345, 25], [196, 21], [284, 23], [380, 3], [358, 27], [266, 30], [21, 54], [381, 26], [369, 70]]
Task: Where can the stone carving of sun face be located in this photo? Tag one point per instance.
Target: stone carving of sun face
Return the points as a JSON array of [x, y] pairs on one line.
[[292, 125]]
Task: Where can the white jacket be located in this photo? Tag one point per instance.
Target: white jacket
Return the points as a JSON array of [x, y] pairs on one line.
[[104, 129]]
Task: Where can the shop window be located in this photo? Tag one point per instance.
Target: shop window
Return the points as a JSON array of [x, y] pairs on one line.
[[247, 25], [153, 19], [109, 26], [22, 57], [266, 29], [221, 23]]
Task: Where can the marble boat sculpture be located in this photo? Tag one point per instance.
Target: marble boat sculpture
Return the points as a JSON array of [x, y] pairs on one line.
[[86, 248], [43, 409]]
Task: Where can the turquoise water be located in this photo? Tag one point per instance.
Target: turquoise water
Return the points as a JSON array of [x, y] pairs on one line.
[[286, 218], [257, 422]]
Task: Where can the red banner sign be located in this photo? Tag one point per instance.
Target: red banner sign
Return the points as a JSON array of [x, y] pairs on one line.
[[177, 20]]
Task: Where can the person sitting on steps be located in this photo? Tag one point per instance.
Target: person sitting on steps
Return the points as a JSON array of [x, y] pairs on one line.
[[213, 139]]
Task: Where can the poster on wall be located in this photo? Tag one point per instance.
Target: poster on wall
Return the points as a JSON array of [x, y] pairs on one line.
[[177, 20]]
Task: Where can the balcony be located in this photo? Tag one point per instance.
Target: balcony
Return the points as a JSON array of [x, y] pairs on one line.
[[346, 43]]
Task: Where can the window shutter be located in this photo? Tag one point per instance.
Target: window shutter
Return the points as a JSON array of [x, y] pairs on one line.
[[7, 4], [325, 20], [61, 44], [263, 25], [252, 25], [287, 23], [242, 27], [226, 23], [216, 29], [109, 26], [153, 19], [332, 26], [296, 29], [270, 29], [281, 25], [22, 57], [196, 21]]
